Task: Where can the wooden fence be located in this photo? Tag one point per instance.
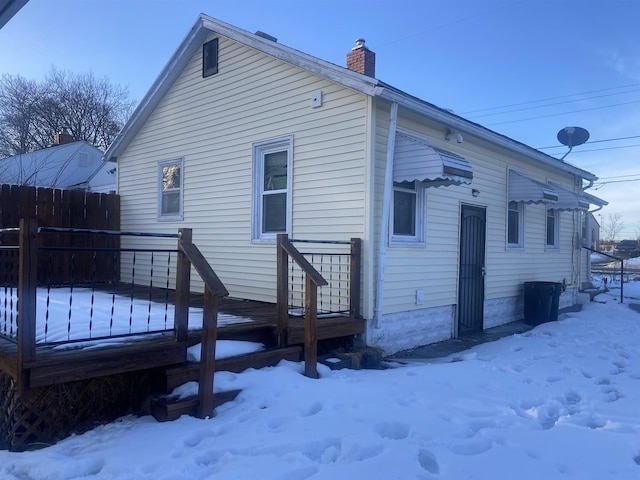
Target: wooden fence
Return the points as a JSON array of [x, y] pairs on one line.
[[66, 209]]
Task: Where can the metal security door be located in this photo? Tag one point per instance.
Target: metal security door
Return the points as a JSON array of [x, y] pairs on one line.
[[471, 274]]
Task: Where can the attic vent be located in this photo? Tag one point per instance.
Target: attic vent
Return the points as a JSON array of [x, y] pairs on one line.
[[210, 58], [267, 36]]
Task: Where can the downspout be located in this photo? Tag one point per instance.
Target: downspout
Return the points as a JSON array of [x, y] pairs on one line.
[[386, 206], [589, 238]]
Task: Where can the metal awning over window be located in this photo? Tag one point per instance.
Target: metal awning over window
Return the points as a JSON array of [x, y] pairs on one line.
[[568, 200], [415, 159], [523, 188]]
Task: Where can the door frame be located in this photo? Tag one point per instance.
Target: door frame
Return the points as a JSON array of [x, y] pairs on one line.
[[482, 291]]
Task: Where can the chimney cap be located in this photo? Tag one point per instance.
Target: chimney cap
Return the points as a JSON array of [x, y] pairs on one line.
[[359, 43]]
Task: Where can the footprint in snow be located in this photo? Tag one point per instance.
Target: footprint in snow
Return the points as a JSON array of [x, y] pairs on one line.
[[428, 461], [392, 430], [314, 408]]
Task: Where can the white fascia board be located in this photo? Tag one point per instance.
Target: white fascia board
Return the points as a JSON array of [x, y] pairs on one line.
[[465, 126], [196, 36], [159, 88], [328, 70]]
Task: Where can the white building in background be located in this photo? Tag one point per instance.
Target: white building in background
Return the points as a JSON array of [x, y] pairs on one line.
[[67, 164]]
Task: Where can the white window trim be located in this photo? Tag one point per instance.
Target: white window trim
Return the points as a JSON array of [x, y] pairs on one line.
[[179, 215], [419, 239], [556, 229], [259, 151], [520, 244]]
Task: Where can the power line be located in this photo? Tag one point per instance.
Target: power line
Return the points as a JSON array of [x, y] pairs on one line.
[[550, 98], [594, 141], [599, 185], [563, 113], [573, 152], [550, 104], [621, 176]]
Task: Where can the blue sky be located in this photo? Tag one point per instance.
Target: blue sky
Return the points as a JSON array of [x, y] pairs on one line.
[[582, 57]]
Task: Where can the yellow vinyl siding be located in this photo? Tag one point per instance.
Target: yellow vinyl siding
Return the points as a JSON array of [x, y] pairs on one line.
[[212, 123], [434, 267]]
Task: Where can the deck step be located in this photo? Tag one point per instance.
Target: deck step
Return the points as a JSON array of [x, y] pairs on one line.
[[166, 409], [177, 375]]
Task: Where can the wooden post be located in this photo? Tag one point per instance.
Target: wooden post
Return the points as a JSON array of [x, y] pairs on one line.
[[207, 354], [354, 278], [310, 328], [27, 285], [282, 297], [183, 279]]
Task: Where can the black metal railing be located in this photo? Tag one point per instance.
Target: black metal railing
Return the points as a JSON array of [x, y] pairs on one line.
[[92, 293], [332, 259], [612, 271]]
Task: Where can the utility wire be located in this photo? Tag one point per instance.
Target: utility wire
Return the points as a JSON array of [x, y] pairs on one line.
[[573, 152], [550, 98], [593, 141], [550, 104], [621, 176], [563, 113]]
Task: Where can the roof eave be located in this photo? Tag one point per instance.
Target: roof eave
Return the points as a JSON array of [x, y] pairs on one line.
[[158, 89], [465, 126], [200, 30]]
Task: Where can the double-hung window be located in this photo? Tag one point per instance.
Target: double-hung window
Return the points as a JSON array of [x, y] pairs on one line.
[[408, 213], [271, 188], [515, 225], [552, 228], [170, 183]]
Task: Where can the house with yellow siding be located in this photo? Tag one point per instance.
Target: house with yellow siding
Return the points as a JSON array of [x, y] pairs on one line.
[[242, 138]]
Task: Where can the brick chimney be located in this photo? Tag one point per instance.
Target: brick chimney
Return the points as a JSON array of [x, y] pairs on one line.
[[362, 60], [63, 137]]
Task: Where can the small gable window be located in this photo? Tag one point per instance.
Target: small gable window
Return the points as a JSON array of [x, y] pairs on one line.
[[210, 58]]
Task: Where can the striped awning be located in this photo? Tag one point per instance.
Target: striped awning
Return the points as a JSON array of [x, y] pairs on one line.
[[568, 200], [416, 160], [523, 188]]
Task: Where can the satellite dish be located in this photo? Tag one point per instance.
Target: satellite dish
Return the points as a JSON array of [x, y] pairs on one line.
[[572, 137]]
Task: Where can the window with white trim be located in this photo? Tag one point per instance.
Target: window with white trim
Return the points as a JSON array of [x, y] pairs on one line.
[[271, 188], [515, 225], [553, 230], [170, 182], [408, 213]]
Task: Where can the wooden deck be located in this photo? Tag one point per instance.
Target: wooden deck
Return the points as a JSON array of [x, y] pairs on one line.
[[55, 365], [32, 371]]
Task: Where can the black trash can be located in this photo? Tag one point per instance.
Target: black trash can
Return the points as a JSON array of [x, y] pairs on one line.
[[541, 301]]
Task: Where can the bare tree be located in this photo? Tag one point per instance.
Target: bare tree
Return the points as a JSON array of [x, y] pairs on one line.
[[89, 108], [612, 226], [19, 103]]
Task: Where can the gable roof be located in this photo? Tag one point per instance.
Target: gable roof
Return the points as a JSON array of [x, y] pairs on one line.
[[361, 83], [52, 166]]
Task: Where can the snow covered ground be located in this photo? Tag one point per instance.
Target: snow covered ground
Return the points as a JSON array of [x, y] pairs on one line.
[[558, 402]]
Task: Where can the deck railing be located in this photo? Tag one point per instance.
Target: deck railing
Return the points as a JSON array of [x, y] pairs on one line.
[[332, 265], [611, 271], [19, 310]]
